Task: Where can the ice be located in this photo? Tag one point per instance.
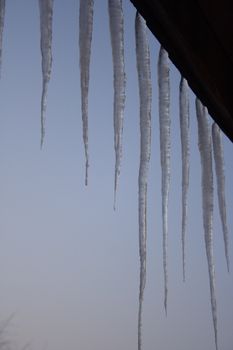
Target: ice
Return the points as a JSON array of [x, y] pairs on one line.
[[184, 135], [205, 148], [145, 94], [46, 18], [86, 10], [116, 22], [165, 149], [2, 17], [220, 175]]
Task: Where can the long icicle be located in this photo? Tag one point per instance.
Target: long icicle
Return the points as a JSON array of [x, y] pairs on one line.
[[2, 17], [116, 22], [46, 18], [184, 135], [219, 169], [85, 37], [145, 94], [165, 149], [205, 148]]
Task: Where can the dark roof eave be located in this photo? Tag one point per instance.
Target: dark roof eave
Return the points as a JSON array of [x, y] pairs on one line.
[[195, 47]]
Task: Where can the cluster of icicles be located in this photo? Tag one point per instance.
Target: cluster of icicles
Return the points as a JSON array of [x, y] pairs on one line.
[[206, 139]]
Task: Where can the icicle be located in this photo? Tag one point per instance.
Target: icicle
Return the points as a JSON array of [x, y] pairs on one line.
[[2, 16], [144, 79], [165, 148], [219, 169], [116, 22], [46, 17], [184, 134], [85, 38], [204, 140]]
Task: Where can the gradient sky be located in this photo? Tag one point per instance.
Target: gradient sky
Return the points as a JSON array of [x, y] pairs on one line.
[[69, 264]]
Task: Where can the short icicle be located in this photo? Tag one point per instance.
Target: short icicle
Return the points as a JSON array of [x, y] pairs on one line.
[[184, 136], [220, 175], [116, 22], [86, 10], [46, 19], [165, 150], [145, 94], [205, 148], [2, 17]]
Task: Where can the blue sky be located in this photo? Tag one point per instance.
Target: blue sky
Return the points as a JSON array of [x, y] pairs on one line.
[[69, 264]]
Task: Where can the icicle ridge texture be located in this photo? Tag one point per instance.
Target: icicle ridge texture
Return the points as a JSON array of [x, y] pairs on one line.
[[165, 149], [86, 10], [116, 22], [220, 176], [205, 148], [144, 79], [184, 135]]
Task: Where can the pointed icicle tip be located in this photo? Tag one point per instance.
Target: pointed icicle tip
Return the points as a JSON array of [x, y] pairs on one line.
[[46, 19], [116, 24], [41, 142], [2, 18], [86, 11], [205, 150]]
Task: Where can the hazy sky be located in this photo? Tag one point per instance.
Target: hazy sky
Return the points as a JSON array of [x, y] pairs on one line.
[[69, 264]]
